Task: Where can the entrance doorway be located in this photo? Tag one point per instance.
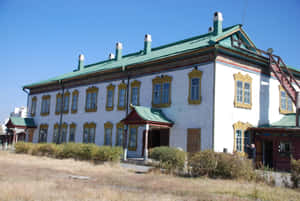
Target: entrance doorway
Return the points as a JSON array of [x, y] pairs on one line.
[[157, 138], [268, 153]]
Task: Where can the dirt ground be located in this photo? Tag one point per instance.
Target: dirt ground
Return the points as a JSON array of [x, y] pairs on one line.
[[26, 178]]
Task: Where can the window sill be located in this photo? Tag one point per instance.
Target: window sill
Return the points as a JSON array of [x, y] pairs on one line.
[[109, 108], [243, 105], [162, 105], [121, 108], [91, 110], [281, 111], [132, 148], [74, 111], [45, 114], [194, 102]]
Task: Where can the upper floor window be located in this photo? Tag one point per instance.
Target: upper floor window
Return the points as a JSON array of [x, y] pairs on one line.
[[241, 136], [135, 92], [45, 108], [119, 134], [91, 99], [286, 104], [43, 133], [74, 105], [33, 106], [133, 133], [161, 91], [243, 91], [89, 131], [110, 97], [58, 103], [66, 102], [108, 133], [122, 96], [72, 132], [195, 87]]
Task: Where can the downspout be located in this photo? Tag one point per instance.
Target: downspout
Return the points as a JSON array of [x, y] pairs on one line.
[[125, 141], [61, 112]]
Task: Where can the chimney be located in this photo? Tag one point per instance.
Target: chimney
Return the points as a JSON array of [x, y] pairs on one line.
[[119, 48], [111, 56], [218, 21], [80, 62], [147, 44]]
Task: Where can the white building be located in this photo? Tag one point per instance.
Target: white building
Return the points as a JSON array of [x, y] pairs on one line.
[[210, 89]]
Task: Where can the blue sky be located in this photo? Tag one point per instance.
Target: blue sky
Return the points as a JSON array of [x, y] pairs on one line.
[[42, 39]]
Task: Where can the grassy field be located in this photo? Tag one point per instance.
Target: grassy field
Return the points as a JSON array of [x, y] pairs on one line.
[[26, 178]]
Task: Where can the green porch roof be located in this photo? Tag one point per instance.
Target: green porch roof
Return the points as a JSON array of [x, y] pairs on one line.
[[19, 121], [151, 114], [287, 121]]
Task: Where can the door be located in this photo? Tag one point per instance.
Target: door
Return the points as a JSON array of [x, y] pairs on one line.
[[193, 140]]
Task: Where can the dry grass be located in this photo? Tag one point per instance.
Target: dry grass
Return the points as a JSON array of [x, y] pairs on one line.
[[26, 178]]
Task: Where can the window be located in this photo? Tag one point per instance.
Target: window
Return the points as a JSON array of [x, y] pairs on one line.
[[72, 132], [74, 105], [119, 134], [91, 99], [110, 97], [33, 106], [195, 87], [66, 102], [108, 133], [161, 95], [122, 96], [286, 104], [55, 133], [243, 91], [58, 103], [285, 148], [43, 133], [89, 130], [45, 105], [135, 92], [241, 136], [64, 129], [133, 131]]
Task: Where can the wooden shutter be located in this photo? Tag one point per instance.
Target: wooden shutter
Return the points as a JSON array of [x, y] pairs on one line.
[[193, 140]]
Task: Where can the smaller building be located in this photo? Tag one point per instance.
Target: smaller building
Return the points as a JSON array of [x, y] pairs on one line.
[[277, 143]]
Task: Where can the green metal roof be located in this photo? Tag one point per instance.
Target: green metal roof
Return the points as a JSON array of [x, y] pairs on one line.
[[151, 114], [19, 121], [287, 121], [156, 53]]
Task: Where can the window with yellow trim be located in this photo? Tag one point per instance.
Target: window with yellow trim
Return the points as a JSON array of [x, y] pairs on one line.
[[285, 102], [66, 102], [58, 103], [108, 126], [135, 92], [75, 95], [89, 131], [55, 133], [33, 106], [243, 91], [43, 133], [241, 136], [64, 130], [161, 91], [195, 77], [122, 87], [110, 97], [91, 99], [119, 134], [72, 132], [133, 134], [45, 107]]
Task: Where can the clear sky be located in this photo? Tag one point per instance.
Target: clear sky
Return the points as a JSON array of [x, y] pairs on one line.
[[41, 39]]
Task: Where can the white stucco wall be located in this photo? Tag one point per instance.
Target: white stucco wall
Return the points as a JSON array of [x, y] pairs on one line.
[[184, 115]]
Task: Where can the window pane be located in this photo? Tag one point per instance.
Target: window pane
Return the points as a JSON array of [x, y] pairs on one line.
[[88, 101], [238, 142], [283, 100], [165, 93], [122, 97], [92, 135], [289, 104], [247, 93], [74, 102], [58, 104], [93, 105], [85, 135], [63, 135], [133, 137], [66, 103], [156, 95], [195, 89], [120, 137], [239, 92], [72, 134], [108, 136], [109, 98], [55, 134], [134, 95]]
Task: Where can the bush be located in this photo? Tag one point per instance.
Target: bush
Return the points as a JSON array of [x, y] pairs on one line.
[[107, 153], [169, 158], [46, 149], [295, 172], [203, 163], [68, 150], [22, 147]]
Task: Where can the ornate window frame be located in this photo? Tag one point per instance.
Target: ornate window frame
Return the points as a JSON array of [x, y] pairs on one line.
[[108, 125], [63, 126], [74, 93], [244, 79], [124, 87], [135, 84], [91, 90], [89, 126], [133, 148], [66, 95], [57, 105], [284, 110], [243, 127], [162, 80], [195, 73], [72, 126], [33, 106], [54, 137], [110, 87], [119, 125], [43, 126], [45, 99]]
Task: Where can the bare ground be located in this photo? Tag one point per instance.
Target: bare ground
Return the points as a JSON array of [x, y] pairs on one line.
[[26, 178]]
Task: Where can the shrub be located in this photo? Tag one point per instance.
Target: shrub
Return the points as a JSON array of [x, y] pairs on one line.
[[295, 172], [84, 151], [169, 158], [203, 163], [22, 147], [68, 150], [46, 149], [106, 153]]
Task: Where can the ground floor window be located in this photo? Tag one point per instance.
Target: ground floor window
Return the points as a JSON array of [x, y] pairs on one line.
[[89, 131], [133, 133], [285, 147], [72, 132], [119, 134], [242, 138], [43, 133]]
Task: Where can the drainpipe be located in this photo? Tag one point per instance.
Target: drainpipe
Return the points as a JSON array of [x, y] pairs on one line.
[[125, 141], [61, 113], [27, 92]]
